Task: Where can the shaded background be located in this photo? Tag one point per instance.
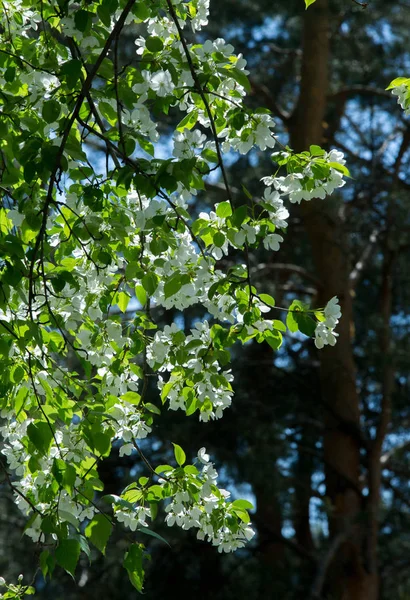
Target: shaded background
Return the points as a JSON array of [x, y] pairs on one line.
[[318, 441]]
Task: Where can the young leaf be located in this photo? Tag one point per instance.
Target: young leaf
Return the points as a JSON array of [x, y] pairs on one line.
[[40, 434], [67, 555], [98, 531], [123, 300], [150, 283], [224, 209], [141, 294], [267, 299], [154, 44], [180, 456], [131, 397], [244, 504], [172, 285], [397, 82], [133, 565], [51, 111], [188, 121], [153, 534]]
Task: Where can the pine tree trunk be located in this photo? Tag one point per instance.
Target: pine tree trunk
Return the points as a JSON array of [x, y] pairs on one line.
[[346, 578]]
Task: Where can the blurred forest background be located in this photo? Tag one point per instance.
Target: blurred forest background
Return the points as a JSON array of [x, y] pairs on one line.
[[318, 441]]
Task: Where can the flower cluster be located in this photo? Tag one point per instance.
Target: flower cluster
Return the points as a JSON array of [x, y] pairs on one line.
[[208, 512], [18, 590], [310, 176], [324, 332], [196, 380], [400, 88]]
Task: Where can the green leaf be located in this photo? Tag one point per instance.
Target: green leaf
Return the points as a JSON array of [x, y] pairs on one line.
[[51, 111], [306, 324], [243, 504], [153, 534], [47, 563], [107, 112], [70, 518], [299, 320], [65, 474], [82, 20], [188, 122], [107, 9], [267, 299], [102, 442], [316, 151], [238, 121], [243, 515], [339, 167], [191, 470], [72, 71], [308, 3], [98, 531], [180, 456], [150, 283], [154, 44], [166, 389], [246, 192], [219, 239], [155, 493], [141, 10], [279, 325], [397, 82], [152, 408], [223, 209], [173, 285], [209, 155], [84, 546], [20, 398], [291, 317], [163, 469], [141, 294], [10, 74], [123, 300], [40, 434], [240, 77], [17, 374], [133, 564], [132, 495], [273, 338], [131, 397], [67, 555], [239, 215]]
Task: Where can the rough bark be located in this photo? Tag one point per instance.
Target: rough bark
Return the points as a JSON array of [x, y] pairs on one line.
[[347, 577]]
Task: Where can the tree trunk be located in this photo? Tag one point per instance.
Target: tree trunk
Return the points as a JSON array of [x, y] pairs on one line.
[[347, 578], [302, 472]]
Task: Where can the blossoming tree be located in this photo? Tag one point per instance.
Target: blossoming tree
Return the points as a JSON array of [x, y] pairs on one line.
[[80, 240]]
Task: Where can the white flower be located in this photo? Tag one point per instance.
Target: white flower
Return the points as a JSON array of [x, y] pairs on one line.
[[324, 332], [324, 335], [202, 456], [272, 241], [16, 217], [250, 232], [248, 533], [186, 142], [126, 449], [161, 83], [402, 93], [332, 312]]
